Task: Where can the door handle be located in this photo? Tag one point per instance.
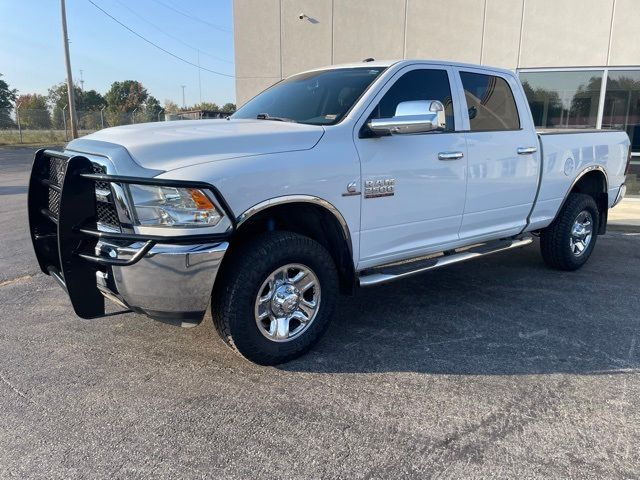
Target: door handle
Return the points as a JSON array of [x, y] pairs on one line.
[[450, 155], [527, 150]]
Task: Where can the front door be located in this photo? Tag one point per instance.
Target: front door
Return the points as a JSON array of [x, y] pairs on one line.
[[413, 184]]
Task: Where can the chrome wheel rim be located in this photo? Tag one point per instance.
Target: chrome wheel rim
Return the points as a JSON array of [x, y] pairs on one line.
[[287, 302], [581, 233]]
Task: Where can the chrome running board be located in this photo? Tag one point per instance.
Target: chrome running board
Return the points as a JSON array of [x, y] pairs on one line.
[[397, 270]]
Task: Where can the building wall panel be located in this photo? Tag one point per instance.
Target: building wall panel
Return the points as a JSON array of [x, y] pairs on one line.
[[257, 45], [450, 30], [502, 33], [565, 32], [306, 43], [625, 47], [368, 28]]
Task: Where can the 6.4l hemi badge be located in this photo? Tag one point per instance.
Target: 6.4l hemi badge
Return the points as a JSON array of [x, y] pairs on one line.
[[379, 188]]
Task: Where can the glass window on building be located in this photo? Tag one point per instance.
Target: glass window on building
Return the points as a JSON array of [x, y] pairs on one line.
[[622, 111], [622, 104], [563, 99]]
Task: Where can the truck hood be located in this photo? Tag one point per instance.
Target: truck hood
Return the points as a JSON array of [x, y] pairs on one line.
[[170, 145]]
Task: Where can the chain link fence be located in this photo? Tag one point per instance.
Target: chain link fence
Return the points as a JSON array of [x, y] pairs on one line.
[[27, 126]]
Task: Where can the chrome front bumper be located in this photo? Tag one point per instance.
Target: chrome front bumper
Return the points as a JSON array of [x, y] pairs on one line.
[[171, 283], [168, 276]]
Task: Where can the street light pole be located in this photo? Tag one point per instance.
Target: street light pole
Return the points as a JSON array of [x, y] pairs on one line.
[[67, 60], [184, 105]]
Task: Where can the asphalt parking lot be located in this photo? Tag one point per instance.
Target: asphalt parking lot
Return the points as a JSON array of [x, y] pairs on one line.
[[499, 367]]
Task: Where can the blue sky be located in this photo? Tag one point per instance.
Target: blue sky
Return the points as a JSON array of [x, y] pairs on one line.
[[32, 58]]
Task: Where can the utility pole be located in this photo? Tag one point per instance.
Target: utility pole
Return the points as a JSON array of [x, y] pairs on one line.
[[199, 79], [184, 105], [67, 60]]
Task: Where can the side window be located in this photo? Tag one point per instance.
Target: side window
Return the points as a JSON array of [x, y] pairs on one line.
[[490, 102], [418, 85]]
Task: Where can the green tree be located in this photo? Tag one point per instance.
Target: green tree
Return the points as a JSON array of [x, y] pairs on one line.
[[7, 96], [205, 106], [90, 100], [229, 108], [122, 99], [152, 109], [33, 111], [171, 106], [88, 106], [58, 100]]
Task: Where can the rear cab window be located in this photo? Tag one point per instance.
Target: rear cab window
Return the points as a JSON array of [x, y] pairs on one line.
[[490, 102]]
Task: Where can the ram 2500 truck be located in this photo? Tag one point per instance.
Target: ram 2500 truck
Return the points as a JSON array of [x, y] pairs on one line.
[[330, 180]]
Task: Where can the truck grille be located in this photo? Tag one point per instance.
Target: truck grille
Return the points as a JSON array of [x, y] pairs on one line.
[[57, 167], [106, 213], [54, 202]]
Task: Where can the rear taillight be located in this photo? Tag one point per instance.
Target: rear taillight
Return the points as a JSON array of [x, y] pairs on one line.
[[626, 170]]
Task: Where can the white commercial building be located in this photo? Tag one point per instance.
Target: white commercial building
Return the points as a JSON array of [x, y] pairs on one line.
[[579, 59]]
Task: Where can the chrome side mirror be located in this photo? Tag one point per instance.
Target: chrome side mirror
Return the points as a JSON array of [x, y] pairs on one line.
[[419, 116]]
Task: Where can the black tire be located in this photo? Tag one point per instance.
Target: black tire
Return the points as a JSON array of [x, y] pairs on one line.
[[248, 267], [555, 239]]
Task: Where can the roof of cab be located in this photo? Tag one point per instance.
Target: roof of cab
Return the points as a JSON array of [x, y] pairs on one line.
[[400, 63]]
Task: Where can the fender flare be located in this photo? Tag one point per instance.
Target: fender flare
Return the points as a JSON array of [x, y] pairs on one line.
[[259, 207], [582, 173]]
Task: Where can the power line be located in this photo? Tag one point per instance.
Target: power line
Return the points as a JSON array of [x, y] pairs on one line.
[[197, 19], [160, 48], [163, 31]]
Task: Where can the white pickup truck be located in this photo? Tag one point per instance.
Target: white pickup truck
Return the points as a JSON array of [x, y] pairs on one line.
[[330, 180]]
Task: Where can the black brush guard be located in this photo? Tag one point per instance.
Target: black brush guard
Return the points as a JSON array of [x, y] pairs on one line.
[[62, 220]]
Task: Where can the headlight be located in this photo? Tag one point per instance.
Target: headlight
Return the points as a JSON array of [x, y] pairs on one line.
[[171, 206]]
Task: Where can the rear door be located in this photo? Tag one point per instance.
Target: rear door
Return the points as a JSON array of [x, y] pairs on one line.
[[503, 161], [413, 196]]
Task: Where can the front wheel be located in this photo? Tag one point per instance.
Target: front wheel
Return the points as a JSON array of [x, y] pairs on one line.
[[276, 297], [568, 242]]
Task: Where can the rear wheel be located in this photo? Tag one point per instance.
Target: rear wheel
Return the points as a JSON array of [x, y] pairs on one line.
[[568, 242], [276, 297]]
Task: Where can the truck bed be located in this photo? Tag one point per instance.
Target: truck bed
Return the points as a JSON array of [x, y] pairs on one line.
[[566, 153]]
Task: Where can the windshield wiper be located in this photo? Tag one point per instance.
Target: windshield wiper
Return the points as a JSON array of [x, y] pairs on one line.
[[266, 116]]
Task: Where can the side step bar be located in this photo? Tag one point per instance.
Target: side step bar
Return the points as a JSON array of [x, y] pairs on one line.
[[388, 273]]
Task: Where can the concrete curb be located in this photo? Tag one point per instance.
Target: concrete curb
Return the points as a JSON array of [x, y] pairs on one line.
[[623, 228], [33, 146]]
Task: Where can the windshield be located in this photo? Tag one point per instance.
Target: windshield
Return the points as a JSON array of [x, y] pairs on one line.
[[316, 98]]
